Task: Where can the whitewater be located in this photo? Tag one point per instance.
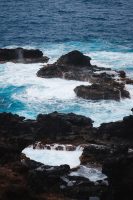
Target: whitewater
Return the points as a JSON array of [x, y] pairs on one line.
[[23, 93], [54, 157]]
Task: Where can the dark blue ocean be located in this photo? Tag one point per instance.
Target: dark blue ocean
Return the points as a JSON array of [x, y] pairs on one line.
[[101, 29]]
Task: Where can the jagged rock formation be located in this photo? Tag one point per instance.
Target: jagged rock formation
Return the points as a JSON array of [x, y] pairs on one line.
[[77, 66], [22, 178], [72, 66]]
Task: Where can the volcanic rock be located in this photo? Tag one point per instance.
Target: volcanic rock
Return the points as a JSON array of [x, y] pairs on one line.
[[20, 55], [97, 154], [104, 91], [82, 188], [57, 126], [118, 132], [74, 58], [21, 178], [120, 175], [72, 66], [47, 177], [76, 66], [122, 74]]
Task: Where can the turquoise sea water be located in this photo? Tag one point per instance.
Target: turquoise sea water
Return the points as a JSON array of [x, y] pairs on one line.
[[103, 30]]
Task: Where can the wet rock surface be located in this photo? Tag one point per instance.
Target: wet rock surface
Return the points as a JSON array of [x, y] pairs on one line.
[[109, 146], [72, 66], [97, 154], [112, 90], [20, 55], [106, 84], [46, 178], [75, 58], [82, 188], [118, 132], [66, 126]]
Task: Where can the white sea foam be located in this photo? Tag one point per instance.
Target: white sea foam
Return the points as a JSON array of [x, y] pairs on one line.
[[54, 157], [114, 60], [50, 89], [37, 89], [47, 95], [92, 174]]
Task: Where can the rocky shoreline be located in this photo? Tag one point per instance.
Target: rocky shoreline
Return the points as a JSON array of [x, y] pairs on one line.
[[106, 83], [108, 147]]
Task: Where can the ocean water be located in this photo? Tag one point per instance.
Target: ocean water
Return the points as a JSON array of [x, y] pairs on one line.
[[101, 29]]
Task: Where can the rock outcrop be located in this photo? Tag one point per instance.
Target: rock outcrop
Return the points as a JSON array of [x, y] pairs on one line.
[[104, 91], [17, 132], [20, 55], [72, 66], [74, 58], [117, 132], [57, 126], [106, 84], [97, 154], [24, 179]]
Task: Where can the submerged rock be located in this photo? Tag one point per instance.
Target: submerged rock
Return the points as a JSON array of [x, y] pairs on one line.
[[106, 91], [20, 55]]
